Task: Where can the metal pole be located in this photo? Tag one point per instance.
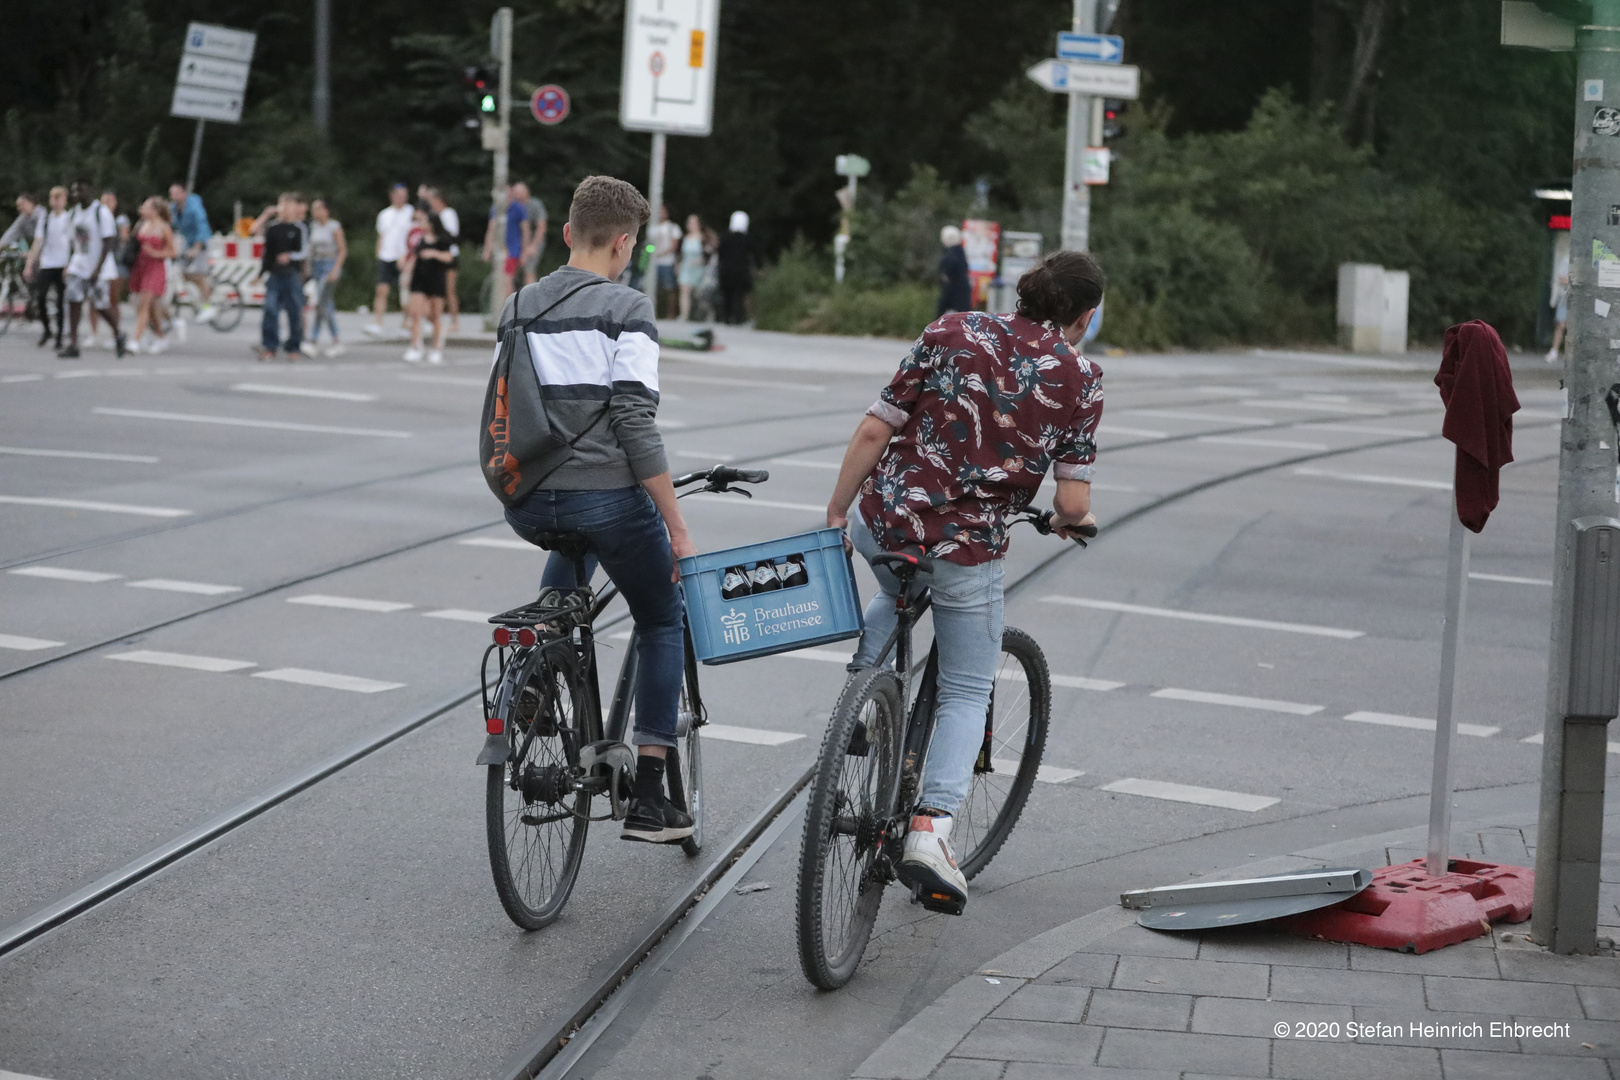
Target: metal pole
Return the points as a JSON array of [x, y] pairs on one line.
[[1445, 725], [1076, 195], [1573, 757], [323, 64], [196, 152], [655, 199], [502, 33]]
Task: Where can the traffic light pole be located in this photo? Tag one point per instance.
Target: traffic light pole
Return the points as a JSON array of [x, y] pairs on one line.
[[655, 199], [1574, 755], [501, 32], [1076, 195]]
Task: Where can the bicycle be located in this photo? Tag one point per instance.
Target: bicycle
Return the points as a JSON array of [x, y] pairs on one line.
[[225, 298], [548, 749], [869, 769], [14, 291]]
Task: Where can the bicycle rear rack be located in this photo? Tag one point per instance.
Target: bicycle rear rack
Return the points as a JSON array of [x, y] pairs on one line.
[[553, 607]]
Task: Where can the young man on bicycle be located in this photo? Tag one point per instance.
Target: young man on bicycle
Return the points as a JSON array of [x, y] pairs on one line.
[[594, 346], [961, 437]]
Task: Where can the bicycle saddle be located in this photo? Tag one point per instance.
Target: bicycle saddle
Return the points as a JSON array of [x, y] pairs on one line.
[[568, 545], [904, 566]]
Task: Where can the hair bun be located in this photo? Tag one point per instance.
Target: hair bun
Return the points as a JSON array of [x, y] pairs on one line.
[[1060, 288]]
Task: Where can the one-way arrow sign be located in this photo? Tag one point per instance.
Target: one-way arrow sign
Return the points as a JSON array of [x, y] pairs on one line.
[[1074, 77], [1100, 48]]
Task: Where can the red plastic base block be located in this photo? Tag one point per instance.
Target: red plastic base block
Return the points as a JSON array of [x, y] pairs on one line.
[[1407, 909]]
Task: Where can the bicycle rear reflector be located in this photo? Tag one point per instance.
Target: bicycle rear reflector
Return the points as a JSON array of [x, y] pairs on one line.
[[503, 636], [525, 637]]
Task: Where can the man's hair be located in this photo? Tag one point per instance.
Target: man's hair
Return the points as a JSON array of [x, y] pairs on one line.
[[603, 209], [293, 196], [29, 195]]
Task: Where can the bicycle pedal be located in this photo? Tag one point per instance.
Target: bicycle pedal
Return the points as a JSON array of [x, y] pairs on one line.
[[943, 903]]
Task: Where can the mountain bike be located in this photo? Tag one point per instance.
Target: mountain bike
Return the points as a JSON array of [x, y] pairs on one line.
[[225, 298], [14, 292], [869, 771], [549, 750]]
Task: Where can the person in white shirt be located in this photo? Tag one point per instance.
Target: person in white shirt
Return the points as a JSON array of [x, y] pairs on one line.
[[112, 272], [46, 260], [450, 224], [93, 233], [665, 237], [393, 230]]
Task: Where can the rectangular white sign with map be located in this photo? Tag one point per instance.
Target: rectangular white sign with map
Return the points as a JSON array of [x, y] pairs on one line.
[[669, 63]]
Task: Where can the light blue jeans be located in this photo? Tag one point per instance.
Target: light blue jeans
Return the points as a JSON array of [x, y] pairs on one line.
[[967, 606], [325, 301]]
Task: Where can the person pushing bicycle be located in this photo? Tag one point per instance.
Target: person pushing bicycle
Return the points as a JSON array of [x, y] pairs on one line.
[[981, 408]]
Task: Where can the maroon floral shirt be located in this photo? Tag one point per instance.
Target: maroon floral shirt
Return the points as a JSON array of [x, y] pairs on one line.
[[983, 405]]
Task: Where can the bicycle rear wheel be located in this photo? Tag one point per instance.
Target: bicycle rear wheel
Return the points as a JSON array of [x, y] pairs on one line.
[[1015, 739], [685, 769], [535, 824], [852, 798], [12, 297], [228, 307]]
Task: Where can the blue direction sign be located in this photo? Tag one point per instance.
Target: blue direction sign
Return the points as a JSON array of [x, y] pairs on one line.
[[1098, 48]]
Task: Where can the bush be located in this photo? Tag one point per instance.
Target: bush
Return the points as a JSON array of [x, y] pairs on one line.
[[898, 311], [786, 294]]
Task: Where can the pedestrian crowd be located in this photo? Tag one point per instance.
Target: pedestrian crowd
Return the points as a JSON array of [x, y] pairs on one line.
[[699, 275]]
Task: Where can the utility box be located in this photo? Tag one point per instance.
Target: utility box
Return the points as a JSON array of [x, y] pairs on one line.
[[1372, 308], [1594, 656]]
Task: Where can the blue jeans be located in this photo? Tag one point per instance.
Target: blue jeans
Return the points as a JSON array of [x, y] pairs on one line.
[[283, 291], [325, 302], [629, 541], [967, 606]]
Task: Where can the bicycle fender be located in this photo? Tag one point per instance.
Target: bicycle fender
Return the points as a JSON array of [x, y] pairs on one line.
[[496, 750]]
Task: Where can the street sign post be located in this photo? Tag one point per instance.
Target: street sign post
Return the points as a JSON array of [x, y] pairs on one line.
[[1099, 48], [212, 80], [549, 104], [1078, 77], [852, 166]]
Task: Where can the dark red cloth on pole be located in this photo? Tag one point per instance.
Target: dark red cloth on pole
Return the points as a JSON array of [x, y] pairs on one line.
[[1477, 386]]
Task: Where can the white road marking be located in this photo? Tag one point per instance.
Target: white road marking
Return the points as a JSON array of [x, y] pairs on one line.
[[1179, 414], [182, 660], [705, 455], [20, 378], [328, 681], [1046, 774], [459, 615], [59, 573], [201, 588], [771, 504], [1140, 433], [498, 542], [448, 380], [806, 463], [1078, 682], [1113, 487], [1357, 429], [1418, 723], [1281, 444], [1203, 796], [349, 603], [27, 644], [89, 455], [1372, 478], [1205, 697], [1198, 616], [1314, 406], [236, 421], [1510, 580], [86, 504], [302, 391], [720, 380], [829, 655], [757, 736]]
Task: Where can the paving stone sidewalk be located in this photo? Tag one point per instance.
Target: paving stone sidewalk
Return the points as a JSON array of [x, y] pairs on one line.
[[1101, 998]]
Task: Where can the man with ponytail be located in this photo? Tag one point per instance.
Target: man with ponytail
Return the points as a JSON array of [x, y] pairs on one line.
[[981, 409]]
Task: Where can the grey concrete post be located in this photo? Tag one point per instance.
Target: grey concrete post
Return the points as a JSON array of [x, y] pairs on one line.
[[1574, 753], [1076, 195], [322, 98]]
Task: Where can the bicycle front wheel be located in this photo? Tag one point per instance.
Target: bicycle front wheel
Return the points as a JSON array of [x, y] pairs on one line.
[[852, 799], [535, 823], [11, 298], [227, 307], [1014, 740]]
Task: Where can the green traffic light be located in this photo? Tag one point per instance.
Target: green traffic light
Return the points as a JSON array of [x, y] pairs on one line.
[[487, 103], [650, 247]]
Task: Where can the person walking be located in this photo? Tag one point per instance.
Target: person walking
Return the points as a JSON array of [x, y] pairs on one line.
[[736, 271], [92, 235], [148, 278], [113, 270], [506, 240], [693, 262], [955, 287], [328, 249], [964, 434], [450, 224], [393, 227], [430, 264], [286, 246], [665, 237], [47, 262], [1560, 306], [537, 234], [25, 226], [190, 222]]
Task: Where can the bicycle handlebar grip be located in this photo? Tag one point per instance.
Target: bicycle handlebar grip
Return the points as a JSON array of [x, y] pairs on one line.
[[725, 474], [1088, 531], [752, 476]]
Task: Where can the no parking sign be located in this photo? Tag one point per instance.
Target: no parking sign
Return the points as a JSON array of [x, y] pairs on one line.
[[549, 104]]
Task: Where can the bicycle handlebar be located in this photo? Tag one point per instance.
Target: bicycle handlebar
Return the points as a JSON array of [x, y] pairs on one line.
[[722, 475], [1041, 521]]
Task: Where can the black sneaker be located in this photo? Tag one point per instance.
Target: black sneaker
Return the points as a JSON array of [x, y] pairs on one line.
[[655, 821], [69, 353], [121, 346]]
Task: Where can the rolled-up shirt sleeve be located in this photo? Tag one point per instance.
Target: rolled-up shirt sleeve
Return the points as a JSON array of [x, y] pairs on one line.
[[1075, 455], [895, 404]]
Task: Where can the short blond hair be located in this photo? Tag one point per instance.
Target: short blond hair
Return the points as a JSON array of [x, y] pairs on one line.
[[604, 208]]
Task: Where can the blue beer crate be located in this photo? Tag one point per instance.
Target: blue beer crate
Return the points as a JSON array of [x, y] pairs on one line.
[[825, 608]]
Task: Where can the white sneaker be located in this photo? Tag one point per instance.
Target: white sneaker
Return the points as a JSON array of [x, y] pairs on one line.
[[160, 345], [309, 349], [206, 314], [180, 331], [1552, 356], [413, 355], [134, 348], [435, 357], [374, 329], [335, 350], [930, 868]]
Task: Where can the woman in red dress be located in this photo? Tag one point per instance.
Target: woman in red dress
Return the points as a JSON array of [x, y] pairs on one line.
[[148, 281]]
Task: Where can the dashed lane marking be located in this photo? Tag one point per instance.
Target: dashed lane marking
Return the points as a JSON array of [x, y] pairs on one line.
[[237, 421], [1536, 740], [199, 588], [1275, 444], [1046, 774], [328, 681], [104, 507], [1198, 616], [1202, 796], [349, 603], [447, 380], [1078, 682], [1131, 432], [1180, 414], [1360, 429], [1373, 478], [498, 542], [182, 660], [20, 378], [1418, 723], [1205, 697], [1508, 579], [459, 615], [302, 391], [770, 504], [807, 463], [62, 573], [756, 736], [1315, 406], [88, 455], [720, 380], [704, 455], [27, 644]]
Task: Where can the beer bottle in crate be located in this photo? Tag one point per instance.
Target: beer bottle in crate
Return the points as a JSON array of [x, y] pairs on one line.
[[790, 571], [763, 578], [735, 583]]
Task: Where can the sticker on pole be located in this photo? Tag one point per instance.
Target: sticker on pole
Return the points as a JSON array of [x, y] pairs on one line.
[[1606, 121], [549, 104]]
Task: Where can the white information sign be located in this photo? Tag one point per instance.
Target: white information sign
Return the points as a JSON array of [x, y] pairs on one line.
[[669, 63], [220, 42], [213, 73], [1076, 77], [203, 104]]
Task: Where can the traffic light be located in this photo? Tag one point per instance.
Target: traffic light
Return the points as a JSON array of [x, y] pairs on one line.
[[1113, 118], [481, 84]]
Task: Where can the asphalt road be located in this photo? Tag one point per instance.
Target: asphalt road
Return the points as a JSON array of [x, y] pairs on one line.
[[219, 573]]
